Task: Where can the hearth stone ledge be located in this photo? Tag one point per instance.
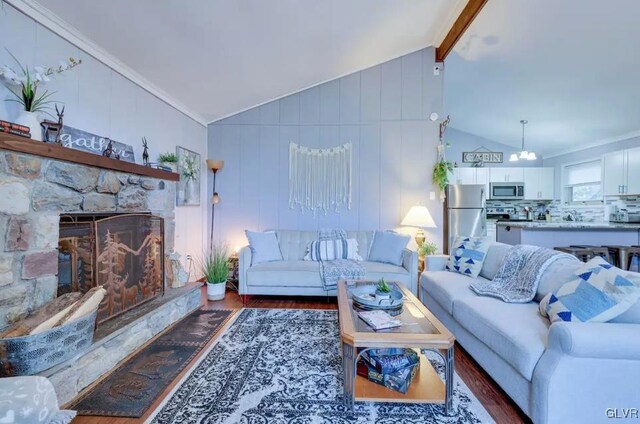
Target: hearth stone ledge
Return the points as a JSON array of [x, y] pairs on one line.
[[107, 350]]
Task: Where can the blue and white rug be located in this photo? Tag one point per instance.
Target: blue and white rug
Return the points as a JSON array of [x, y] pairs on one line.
[[284, 366]]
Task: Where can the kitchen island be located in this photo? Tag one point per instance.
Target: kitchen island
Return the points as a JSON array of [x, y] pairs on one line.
[[565, 233]]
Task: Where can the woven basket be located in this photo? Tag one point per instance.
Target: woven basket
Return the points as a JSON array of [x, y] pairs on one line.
[[28, 355]]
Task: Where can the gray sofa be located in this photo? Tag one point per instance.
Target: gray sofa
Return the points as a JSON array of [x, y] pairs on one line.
[[559, 373], [295, 276]]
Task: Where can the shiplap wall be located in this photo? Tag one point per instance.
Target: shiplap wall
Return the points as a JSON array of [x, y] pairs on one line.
[[382, 110], [101, 101]]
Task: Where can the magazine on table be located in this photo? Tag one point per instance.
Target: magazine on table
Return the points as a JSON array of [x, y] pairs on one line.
[[379, 320]]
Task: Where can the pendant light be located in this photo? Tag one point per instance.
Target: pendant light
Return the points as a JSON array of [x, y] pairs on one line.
[[523, 154]]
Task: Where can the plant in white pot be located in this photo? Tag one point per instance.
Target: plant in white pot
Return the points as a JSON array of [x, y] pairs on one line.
[[24, 85], [170, 160], [215, 268]]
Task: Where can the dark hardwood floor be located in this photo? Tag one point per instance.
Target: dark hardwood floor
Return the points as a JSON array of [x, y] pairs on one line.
[[496, 402]]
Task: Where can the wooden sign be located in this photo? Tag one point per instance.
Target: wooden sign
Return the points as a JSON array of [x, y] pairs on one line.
[[484, 157], [74, 138]]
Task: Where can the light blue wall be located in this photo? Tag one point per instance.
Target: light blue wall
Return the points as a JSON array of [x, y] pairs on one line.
[[382, 110], [586, 155], [462, 141], [101, 101]]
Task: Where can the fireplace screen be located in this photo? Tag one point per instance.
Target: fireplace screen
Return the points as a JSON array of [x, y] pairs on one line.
[[122, 252]]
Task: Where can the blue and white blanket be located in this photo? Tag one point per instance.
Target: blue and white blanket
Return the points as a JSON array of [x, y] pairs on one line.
[[519, 275], [339, 269]]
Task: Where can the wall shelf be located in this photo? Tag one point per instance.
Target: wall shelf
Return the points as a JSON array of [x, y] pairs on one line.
[[55, 151]]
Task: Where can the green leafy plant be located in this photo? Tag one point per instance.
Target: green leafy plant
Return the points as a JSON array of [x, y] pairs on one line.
[[427, 248], [383, 286], [441, 172], [215, 265], [168, 158], [24, 84]]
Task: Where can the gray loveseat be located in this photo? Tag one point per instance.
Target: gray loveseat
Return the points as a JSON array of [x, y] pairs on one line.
[[295, 276], [561, 373]]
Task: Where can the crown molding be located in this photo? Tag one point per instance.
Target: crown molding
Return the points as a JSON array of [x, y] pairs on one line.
[[598, 143], [51, 21]]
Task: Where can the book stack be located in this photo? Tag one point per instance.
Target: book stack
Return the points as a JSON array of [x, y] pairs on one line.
[[392, 368], [15, 129]]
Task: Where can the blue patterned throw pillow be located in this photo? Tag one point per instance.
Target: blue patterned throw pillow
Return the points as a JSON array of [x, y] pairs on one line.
[[599, 293], [468, 255]]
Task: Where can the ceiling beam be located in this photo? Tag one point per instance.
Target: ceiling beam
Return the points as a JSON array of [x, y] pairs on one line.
[[458, 28]]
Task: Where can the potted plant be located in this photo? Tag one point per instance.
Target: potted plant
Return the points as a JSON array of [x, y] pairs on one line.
[[24, 85], [215, 267], [441, 175], [170, 160], [383, 290], [427, 248]]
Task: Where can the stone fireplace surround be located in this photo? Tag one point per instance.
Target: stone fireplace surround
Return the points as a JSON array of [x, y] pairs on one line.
[[34, 192]]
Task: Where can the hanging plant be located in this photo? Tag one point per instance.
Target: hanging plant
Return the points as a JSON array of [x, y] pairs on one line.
[[441, 173]]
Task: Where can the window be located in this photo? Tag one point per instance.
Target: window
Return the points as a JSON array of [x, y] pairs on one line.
[[582, 182]]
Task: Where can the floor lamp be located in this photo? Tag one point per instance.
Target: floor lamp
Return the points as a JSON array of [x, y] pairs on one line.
[[214, 166]]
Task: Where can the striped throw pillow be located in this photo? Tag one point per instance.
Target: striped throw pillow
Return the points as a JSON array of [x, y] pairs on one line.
[[330, 250]]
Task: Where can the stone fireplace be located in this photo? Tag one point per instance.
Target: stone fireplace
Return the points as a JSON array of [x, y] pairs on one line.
[[72, 220]]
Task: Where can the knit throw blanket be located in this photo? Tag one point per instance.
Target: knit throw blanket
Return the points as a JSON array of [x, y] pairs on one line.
[[339, 269], [519, 274]]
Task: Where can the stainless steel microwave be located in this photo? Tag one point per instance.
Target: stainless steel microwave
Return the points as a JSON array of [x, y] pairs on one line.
[[506, 191]]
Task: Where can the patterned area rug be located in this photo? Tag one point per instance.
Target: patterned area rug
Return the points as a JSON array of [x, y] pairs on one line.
[[284, 366], [133, 387]]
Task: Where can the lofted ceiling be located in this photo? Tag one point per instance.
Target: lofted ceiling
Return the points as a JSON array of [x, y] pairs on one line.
[[219, 57], [572, 68]]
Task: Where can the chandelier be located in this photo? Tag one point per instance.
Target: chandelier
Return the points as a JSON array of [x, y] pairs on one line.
[[524, 154]]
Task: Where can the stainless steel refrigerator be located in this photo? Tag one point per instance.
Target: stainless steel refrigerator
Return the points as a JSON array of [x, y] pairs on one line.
[[465, 212]]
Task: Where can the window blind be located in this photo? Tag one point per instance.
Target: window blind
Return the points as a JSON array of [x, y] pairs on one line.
[[583, 173]]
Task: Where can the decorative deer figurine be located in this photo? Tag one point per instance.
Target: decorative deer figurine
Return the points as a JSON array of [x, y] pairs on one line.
[[145, 152], [108, 151], [50, 128]]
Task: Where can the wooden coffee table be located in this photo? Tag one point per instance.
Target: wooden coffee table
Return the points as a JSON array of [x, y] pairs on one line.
[[421, 331]]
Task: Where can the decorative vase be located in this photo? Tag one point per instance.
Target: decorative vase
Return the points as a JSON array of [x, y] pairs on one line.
[[31, 120], [216, 291], [188, 191]]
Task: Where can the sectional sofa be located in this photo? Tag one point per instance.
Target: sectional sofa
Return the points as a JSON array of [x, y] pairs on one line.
[[295, 276], [559, 373]]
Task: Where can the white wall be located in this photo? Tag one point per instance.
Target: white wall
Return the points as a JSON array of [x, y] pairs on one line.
[[382, 110], [101, 101]]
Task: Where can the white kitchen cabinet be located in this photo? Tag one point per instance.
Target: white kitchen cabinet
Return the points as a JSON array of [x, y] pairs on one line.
[[464, 175], [538, 183], [614, 173], [506, 175], [633, 172]]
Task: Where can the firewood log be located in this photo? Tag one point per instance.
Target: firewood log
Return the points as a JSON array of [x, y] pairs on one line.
[[84, 306], [50, 312]]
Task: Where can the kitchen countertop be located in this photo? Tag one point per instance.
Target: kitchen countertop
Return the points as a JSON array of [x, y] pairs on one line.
[[567, 225]]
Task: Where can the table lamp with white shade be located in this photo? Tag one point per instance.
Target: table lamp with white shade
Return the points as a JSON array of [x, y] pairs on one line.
[[420, 218]]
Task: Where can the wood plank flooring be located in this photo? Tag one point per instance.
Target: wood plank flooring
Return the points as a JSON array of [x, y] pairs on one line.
[[496, 402]]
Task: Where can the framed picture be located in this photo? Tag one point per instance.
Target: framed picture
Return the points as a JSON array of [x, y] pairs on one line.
[[188, 190]]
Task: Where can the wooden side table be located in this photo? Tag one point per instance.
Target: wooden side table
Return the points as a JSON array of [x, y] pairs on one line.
[[233, 280]]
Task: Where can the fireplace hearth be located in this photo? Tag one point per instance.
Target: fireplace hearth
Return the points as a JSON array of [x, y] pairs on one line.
[[121, 252]]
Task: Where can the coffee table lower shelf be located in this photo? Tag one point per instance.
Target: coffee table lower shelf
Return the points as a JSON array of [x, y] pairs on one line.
[[426, 387]]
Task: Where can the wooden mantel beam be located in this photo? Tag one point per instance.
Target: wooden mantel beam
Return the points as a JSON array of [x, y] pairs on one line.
[[458, 28]]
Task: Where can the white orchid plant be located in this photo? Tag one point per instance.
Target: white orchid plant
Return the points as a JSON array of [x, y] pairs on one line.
[[24, 83]]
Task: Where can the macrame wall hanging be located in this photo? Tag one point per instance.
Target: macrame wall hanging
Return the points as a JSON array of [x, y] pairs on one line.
[[319, 179]]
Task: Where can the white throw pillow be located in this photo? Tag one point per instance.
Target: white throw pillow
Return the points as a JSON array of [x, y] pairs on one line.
[[468, 255], [329, 250], [264, 247], [599, 293], [388, 247]]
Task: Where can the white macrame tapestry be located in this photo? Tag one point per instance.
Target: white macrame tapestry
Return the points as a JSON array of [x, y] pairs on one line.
[[319, 179]]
